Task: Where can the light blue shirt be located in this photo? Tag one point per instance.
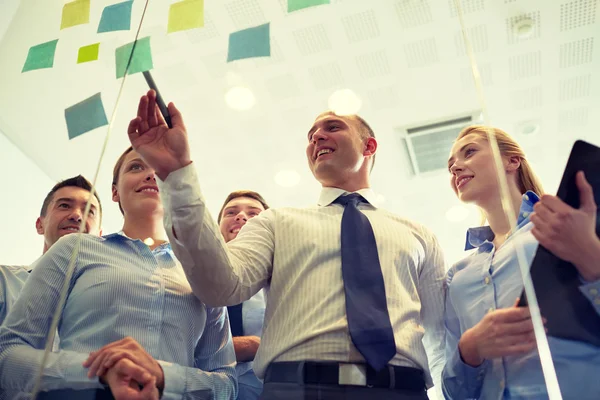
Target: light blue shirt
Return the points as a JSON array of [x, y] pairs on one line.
[[12, 280], [487, 280], [119, 288], [253, 315]]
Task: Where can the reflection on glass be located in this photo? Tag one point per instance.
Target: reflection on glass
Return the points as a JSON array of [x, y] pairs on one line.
[[406, 67]]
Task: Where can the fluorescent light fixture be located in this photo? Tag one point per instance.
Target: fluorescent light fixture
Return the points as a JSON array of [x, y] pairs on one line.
[[457, 213], [287, 178], [344, 102], [240, 98]]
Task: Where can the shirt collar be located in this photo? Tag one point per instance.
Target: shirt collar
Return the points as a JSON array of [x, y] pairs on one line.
[[122, 235], [330, 194], [482, 234]]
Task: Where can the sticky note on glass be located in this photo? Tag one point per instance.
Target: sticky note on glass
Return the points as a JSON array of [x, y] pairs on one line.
[[141, 60], [249, 43], [88, 53], [187, 14], [85, 116], [40, 56], [116, 17], [295, 5], [75, 13]]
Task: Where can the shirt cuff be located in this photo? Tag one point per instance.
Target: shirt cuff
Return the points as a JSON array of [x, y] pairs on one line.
[[179, 187], [76, 373], [591, 290], [471, 378], [174, 380]]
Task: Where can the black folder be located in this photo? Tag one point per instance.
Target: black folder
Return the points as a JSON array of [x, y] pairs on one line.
[[569, 313]]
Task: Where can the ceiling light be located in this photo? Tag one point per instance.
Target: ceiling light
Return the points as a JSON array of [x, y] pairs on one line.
[[524, 27], [287, 178], [344, 102], [457, 213], [240, 98], [530, 129]]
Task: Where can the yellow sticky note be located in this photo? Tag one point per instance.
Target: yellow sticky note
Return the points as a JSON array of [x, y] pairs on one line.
[[187, 14], [88, 53], [75, 13]]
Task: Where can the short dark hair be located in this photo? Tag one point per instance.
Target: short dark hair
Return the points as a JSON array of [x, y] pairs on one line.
[[365, 129], [242, 193], [76, 181]]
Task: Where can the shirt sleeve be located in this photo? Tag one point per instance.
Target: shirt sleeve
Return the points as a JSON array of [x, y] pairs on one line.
[[24, 333], [591, 290], [431, 291], [219, 274], [459, 380], [214, 375]]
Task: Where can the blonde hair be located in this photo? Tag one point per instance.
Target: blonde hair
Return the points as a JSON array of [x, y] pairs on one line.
[[117, 171], [526, 178]]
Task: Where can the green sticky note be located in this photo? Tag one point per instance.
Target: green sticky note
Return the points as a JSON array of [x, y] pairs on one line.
[[295, 5], [88, 53], [75, 13], [248, 43], [187, 14], [40, 56], [116, 17], [141, 60], [85, 116]]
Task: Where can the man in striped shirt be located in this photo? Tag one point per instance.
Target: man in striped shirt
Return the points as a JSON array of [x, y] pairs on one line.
[[308, 348], [61, 214]]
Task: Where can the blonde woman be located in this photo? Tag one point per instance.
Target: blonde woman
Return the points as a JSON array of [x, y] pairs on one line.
[[491, 351]]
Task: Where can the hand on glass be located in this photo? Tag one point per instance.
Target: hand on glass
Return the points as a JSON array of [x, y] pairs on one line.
[[164, 150]]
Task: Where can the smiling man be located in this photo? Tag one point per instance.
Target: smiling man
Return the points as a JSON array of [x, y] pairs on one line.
[[61, 214], [355, 293]]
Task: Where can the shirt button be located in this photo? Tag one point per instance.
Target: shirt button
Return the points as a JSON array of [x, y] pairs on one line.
[[593, 292], [487, 280]]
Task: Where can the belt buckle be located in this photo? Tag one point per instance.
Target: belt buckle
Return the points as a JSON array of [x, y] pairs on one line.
[[352, 374]]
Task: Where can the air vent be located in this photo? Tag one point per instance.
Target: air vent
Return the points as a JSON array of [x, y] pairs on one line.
[[428, 144]]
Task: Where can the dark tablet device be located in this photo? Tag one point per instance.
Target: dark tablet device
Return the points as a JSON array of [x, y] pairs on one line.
[[569, 313]]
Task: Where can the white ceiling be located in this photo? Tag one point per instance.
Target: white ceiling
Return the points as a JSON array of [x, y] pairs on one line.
[[405, 59]]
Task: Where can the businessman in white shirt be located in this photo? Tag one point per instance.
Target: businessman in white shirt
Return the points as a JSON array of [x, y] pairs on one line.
[[355, 293]]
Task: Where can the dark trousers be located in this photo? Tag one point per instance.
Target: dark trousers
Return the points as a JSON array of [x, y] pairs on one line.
[[294, 391]]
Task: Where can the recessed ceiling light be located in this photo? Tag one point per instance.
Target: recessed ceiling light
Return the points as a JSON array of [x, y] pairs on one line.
[[457, 213], [240, 98], [524, 27], [344, 102], [529, 128], [287, 178]]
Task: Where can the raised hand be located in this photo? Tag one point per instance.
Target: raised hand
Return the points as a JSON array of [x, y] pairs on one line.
[[501, 333], [164, 150], [570, 233]]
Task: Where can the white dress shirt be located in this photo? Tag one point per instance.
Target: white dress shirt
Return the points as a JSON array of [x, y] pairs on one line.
[[295, 253]]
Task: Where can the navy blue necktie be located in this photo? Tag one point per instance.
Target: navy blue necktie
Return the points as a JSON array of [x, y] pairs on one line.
[[235, 319], [366, 305]]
